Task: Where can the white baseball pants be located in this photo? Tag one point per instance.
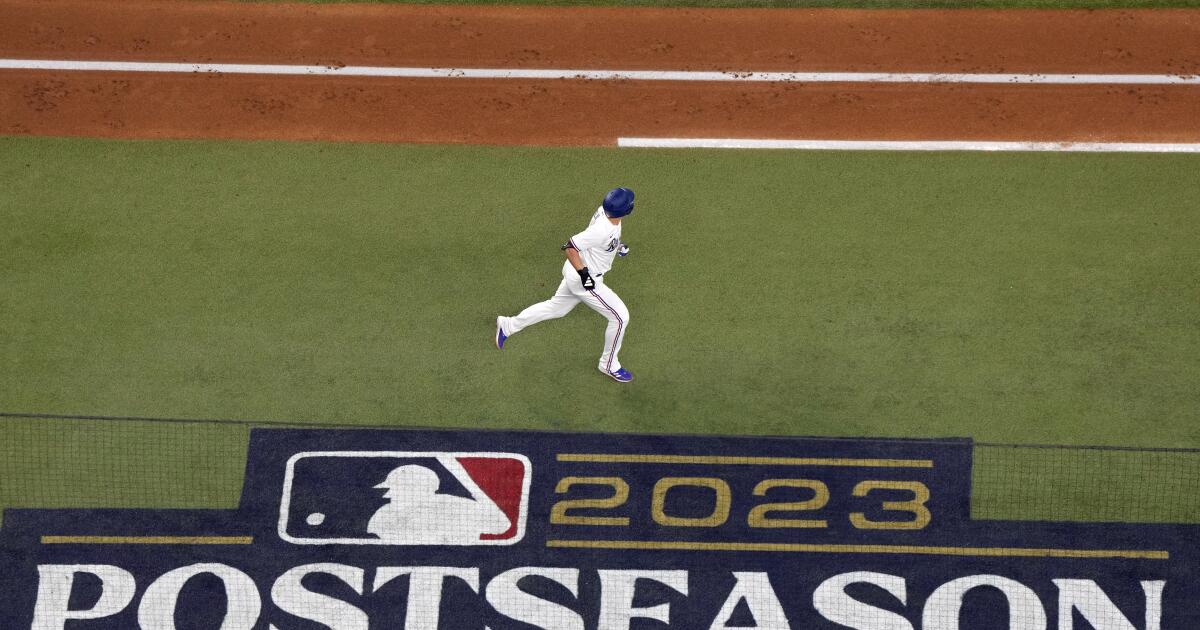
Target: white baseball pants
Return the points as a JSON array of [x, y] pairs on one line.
[[570, 292]]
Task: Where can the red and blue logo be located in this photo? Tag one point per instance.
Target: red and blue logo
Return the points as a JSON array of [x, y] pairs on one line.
[[404, 498]]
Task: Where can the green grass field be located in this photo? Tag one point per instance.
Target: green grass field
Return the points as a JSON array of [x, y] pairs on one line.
[[1011, 298]]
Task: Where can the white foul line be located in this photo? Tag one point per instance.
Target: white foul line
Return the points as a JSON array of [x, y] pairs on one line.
[[909, 145], [601, 75]]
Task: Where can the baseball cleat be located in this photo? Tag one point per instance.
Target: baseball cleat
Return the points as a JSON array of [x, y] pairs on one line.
[[500, 336], [621, 376]]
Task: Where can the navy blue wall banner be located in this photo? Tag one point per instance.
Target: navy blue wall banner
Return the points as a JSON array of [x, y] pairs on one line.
[[461, 530]]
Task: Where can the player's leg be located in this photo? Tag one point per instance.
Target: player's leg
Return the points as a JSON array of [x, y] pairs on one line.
[[557, 306], [606, 302]]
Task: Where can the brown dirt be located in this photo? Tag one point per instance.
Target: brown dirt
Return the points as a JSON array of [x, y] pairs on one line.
[[591, 112]]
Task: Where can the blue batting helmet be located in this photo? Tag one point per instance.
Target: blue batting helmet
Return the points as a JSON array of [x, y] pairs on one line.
[[618, 203]]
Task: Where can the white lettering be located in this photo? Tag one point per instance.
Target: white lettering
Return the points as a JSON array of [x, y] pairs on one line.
[[760, 598], [1097, 609], [55, 582], [616, 596], [1153, 590], [425, 591], [107, 591], [835, 604], [1025, 611], [290, 595], [509, 600], [243, 604]]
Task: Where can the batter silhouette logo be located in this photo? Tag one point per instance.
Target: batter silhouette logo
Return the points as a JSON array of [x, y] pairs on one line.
[[404, 498]]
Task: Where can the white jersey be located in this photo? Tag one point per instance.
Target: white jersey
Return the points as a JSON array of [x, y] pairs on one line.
[[597, 245]]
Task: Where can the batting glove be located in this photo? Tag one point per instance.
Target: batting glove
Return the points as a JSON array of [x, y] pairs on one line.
[[586, 278], [623, 250]]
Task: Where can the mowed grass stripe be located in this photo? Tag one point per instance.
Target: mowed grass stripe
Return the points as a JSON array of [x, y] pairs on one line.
[[80, 463], [1012, 298]]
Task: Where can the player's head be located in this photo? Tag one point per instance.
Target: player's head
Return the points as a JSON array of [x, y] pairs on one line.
[[410, 481], [618, 203]]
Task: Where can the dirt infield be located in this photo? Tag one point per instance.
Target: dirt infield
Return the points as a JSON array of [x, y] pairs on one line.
[[585, 112]]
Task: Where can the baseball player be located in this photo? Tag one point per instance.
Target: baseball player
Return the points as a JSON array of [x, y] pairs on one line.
[[590, 256]]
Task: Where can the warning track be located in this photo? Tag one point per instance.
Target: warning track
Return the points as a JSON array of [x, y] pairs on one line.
[[525, 75]]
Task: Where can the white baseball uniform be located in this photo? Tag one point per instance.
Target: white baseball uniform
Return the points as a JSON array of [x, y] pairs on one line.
[[597, 247]]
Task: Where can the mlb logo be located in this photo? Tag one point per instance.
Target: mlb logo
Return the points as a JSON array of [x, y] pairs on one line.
[[404, 498]]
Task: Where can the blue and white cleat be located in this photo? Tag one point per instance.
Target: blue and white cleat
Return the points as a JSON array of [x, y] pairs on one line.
[[500, 336], [621, 376]]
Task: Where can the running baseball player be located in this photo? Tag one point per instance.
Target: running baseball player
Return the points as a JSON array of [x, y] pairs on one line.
[[590, 256]]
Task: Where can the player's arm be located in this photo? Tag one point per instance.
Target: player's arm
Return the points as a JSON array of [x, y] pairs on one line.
[[573, 256]]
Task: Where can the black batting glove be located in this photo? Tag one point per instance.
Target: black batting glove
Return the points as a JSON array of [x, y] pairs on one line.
[[586, 278]]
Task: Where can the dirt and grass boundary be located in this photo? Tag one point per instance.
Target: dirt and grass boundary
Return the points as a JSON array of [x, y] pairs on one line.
[[801, 4]]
